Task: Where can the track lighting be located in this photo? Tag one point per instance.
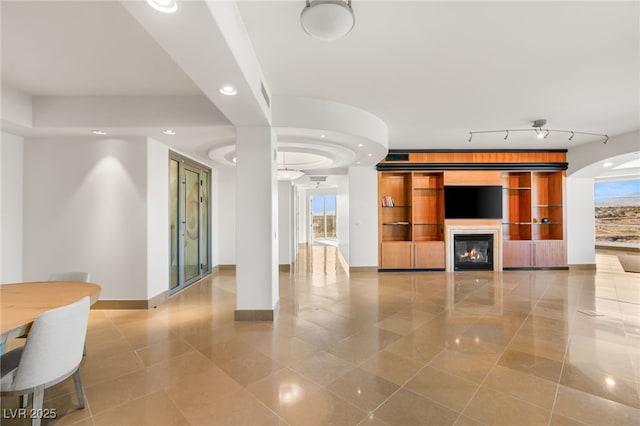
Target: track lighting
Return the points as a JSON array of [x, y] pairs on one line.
[[542, 133]]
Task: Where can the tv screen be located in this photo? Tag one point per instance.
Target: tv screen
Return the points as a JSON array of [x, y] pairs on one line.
[[473, 202]]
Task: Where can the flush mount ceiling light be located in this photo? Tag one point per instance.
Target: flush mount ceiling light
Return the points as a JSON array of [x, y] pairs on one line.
[[164, 6], [228, 90], [168, 132], [285, 173], [327, 19], [542, 132]]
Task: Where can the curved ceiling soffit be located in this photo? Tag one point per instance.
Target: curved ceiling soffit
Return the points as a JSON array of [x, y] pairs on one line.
[[587, 160], [343, 135]]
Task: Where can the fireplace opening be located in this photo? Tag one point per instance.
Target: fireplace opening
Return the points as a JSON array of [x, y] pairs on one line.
[[473, 252]]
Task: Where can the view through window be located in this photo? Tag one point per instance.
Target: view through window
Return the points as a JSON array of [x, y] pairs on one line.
[[618, 212], [323, 208]]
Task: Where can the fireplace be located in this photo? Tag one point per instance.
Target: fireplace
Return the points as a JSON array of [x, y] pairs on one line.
[[473, 252]]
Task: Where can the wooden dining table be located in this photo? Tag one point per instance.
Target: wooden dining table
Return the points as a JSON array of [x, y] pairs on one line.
[[22, 303]]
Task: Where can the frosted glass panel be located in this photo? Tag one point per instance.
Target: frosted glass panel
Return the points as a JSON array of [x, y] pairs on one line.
[[192, 226], [174, 224]]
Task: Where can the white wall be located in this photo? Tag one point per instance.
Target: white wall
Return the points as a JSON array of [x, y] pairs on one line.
[[285, 222], [85, 208], [581, 227], [11, 182], [302, 215], [342, 207], [363, 212], [225, 203], [157, 218]]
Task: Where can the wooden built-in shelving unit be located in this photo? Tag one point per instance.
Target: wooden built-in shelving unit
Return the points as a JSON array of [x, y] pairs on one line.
[[411, 210]]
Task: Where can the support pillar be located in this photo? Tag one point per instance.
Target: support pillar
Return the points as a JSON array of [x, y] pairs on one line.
[[256, 224]]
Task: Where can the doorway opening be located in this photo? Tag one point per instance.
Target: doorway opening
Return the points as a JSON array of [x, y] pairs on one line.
[[323, 219], [189, 222]]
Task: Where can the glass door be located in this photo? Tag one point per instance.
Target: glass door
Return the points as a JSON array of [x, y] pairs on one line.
[[189, 227], [191, 236]]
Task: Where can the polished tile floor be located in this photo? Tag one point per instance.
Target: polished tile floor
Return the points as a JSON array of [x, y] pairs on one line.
[[472, 348]]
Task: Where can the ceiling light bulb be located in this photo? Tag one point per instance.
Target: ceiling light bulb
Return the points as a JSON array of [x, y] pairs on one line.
[[607, 164], [164, 6], [540, 134], [99, 132], [327, 19], [228, 90], [168, 132]]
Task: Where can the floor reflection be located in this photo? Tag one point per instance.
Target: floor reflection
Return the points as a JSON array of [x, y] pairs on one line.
[[361, 347]]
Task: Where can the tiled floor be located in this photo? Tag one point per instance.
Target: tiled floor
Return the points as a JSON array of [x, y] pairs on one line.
[[472, 348]]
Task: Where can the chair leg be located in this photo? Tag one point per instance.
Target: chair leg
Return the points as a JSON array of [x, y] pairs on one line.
[[38, 399], [79, 390]]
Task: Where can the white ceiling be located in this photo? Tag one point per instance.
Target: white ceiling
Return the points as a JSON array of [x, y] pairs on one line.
[[432, 71]]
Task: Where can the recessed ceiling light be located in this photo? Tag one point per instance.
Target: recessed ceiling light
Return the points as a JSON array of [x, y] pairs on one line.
[[228, 90], [99, 132], [164, 6], [360, 145], [322, 136], [607, 164], [168, 132], [370, 154], [357, 162]]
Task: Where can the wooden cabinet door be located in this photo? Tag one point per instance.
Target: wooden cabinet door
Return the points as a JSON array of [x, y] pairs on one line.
[[516, 254], [429, 255], [547, 253], [396, 255]]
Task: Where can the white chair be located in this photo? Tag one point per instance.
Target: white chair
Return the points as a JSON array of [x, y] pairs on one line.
[[70, 276], [52, 353]]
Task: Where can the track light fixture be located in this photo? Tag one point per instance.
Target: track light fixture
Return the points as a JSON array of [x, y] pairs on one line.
[[541, 131]]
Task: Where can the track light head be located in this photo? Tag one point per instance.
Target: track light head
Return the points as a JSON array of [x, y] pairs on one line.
[[606, 139], [546, 134], [572, 135], [539, 123], [507, 135], [470, 136]]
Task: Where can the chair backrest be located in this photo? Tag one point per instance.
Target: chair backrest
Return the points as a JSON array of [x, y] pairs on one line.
[[70, 276], [53, 349]]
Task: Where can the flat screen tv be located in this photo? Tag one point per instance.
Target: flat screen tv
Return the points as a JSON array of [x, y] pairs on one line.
[[473, 202]]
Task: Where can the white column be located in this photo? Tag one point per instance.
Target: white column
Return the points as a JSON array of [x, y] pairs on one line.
[[257, 224], [581, 226], [285, 222]]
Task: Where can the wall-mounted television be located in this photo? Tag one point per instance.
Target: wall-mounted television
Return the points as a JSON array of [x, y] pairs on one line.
[[473, 202]]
